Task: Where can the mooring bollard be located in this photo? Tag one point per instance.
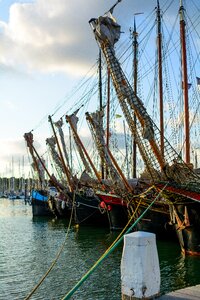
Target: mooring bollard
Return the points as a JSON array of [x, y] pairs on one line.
[[140, 270]]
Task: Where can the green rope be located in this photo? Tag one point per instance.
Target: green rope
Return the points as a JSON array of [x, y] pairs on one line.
[[106, 253]]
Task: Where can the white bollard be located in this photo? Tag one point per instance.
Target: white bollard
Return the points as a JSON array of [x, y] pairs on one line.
[[140, 270]]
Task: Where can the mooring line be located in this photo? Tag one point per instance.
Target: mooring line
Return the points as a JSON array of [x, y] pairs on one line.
[[109, 250]]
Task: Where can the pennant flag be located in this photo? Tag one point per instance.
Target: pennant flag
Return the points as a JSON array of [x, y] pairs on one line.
[[198, 81]]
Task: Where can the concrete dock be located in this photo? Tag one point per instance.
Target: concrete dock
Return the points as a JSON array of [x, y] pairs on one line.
[[190, 293]]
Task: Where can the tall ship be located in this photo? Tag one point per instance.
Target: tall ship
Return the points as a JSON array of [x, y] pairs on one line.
[[166, 168], [142, 125]]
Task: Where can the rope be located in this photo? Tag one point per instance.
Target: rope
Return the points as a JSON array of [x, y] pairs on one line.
[[109, 250], [57, 256]]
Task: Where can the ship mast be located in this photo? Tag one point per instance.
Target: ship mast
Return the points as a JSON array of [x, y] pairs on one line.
[[101, 104], [160, 78], [108, 115], [135, 75], [66, 170], [68, 119], [185, 83]]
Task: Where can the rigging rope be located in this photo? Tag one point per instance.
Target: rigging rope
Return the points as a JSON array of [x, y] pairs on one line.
[[109, 250]]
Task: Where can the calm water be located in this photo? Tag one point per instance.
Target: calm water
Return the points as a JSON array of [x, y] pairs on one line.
[[28, 246]]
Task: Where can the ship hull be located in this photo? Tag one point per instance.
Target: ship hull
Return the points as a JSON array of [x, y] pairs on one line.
[[185, 215], [87, 211], [157, 221], [84, 209], [188, 231], [116, 209], [40, 206]]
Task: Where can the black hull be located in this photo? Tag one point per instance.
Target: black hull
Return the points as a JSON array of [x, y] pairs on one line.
[[118, 217], [59, 208], [87, 211], [40, 208], [188, 227], [157, 221]]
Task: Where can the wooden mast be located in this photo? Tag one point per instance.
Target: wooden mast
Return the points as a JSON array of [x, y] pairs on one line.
[[185, 83], [67, 172], [84, 150], [108, 115], [114, 162], [135, 76], [108, 111], [101, 105], [29, 139], [160, 77]]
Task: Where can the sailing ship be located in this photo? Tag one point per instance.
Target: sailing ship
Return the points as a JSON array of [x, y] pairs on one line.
[[62, 200], [164, 165], [108, 193]]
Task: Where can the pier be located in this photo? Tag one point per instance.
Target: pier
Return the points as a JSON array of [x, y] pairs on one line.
[[189, 293]]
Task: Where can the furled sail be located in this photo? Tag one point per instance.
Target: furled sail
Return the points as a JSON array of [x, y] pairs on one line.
[[96, 127], [59, 125], [58, 164], [74, 121]]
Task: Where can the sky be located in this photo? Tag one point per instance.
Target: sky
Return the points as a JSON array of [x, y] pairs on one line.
[[46, 47]]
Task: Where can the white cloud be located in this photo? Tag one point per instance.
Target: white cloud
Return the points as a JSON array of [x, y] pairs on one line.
[[14, 156], [54, 35], [48, 36]]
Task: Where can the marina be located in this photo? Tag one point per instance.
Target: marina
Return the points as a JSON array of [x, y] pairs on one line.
[[106, 204]]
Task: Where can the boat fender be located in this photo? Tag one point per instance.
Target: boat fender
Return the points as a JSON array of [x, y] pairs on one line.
[[109, 207], [102, 204], [63, 204]]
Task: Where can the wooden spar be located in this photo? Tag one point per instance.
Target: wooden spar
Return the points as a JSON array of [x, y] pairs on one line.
[[101, 105], [88, 117], [135, 75], [108, 111], [84, 150], [160, 77], [31, 148], [126, 148], [185, 84], [67, 172], [120, 172], [42, 163], [70, 147], [108, 115]]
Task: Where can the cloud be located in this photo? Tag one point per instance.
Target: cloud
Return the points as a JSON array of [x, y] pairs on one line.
[[19, 155], [48, 36], [54, 35]]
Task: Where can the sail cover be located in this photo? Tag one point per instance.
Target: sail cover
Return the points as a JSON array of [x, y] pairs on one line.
[[106, 29]]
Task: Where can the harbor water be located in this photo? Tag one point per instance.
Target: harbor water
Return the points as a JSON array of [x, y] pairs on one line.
[[29, 245]]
